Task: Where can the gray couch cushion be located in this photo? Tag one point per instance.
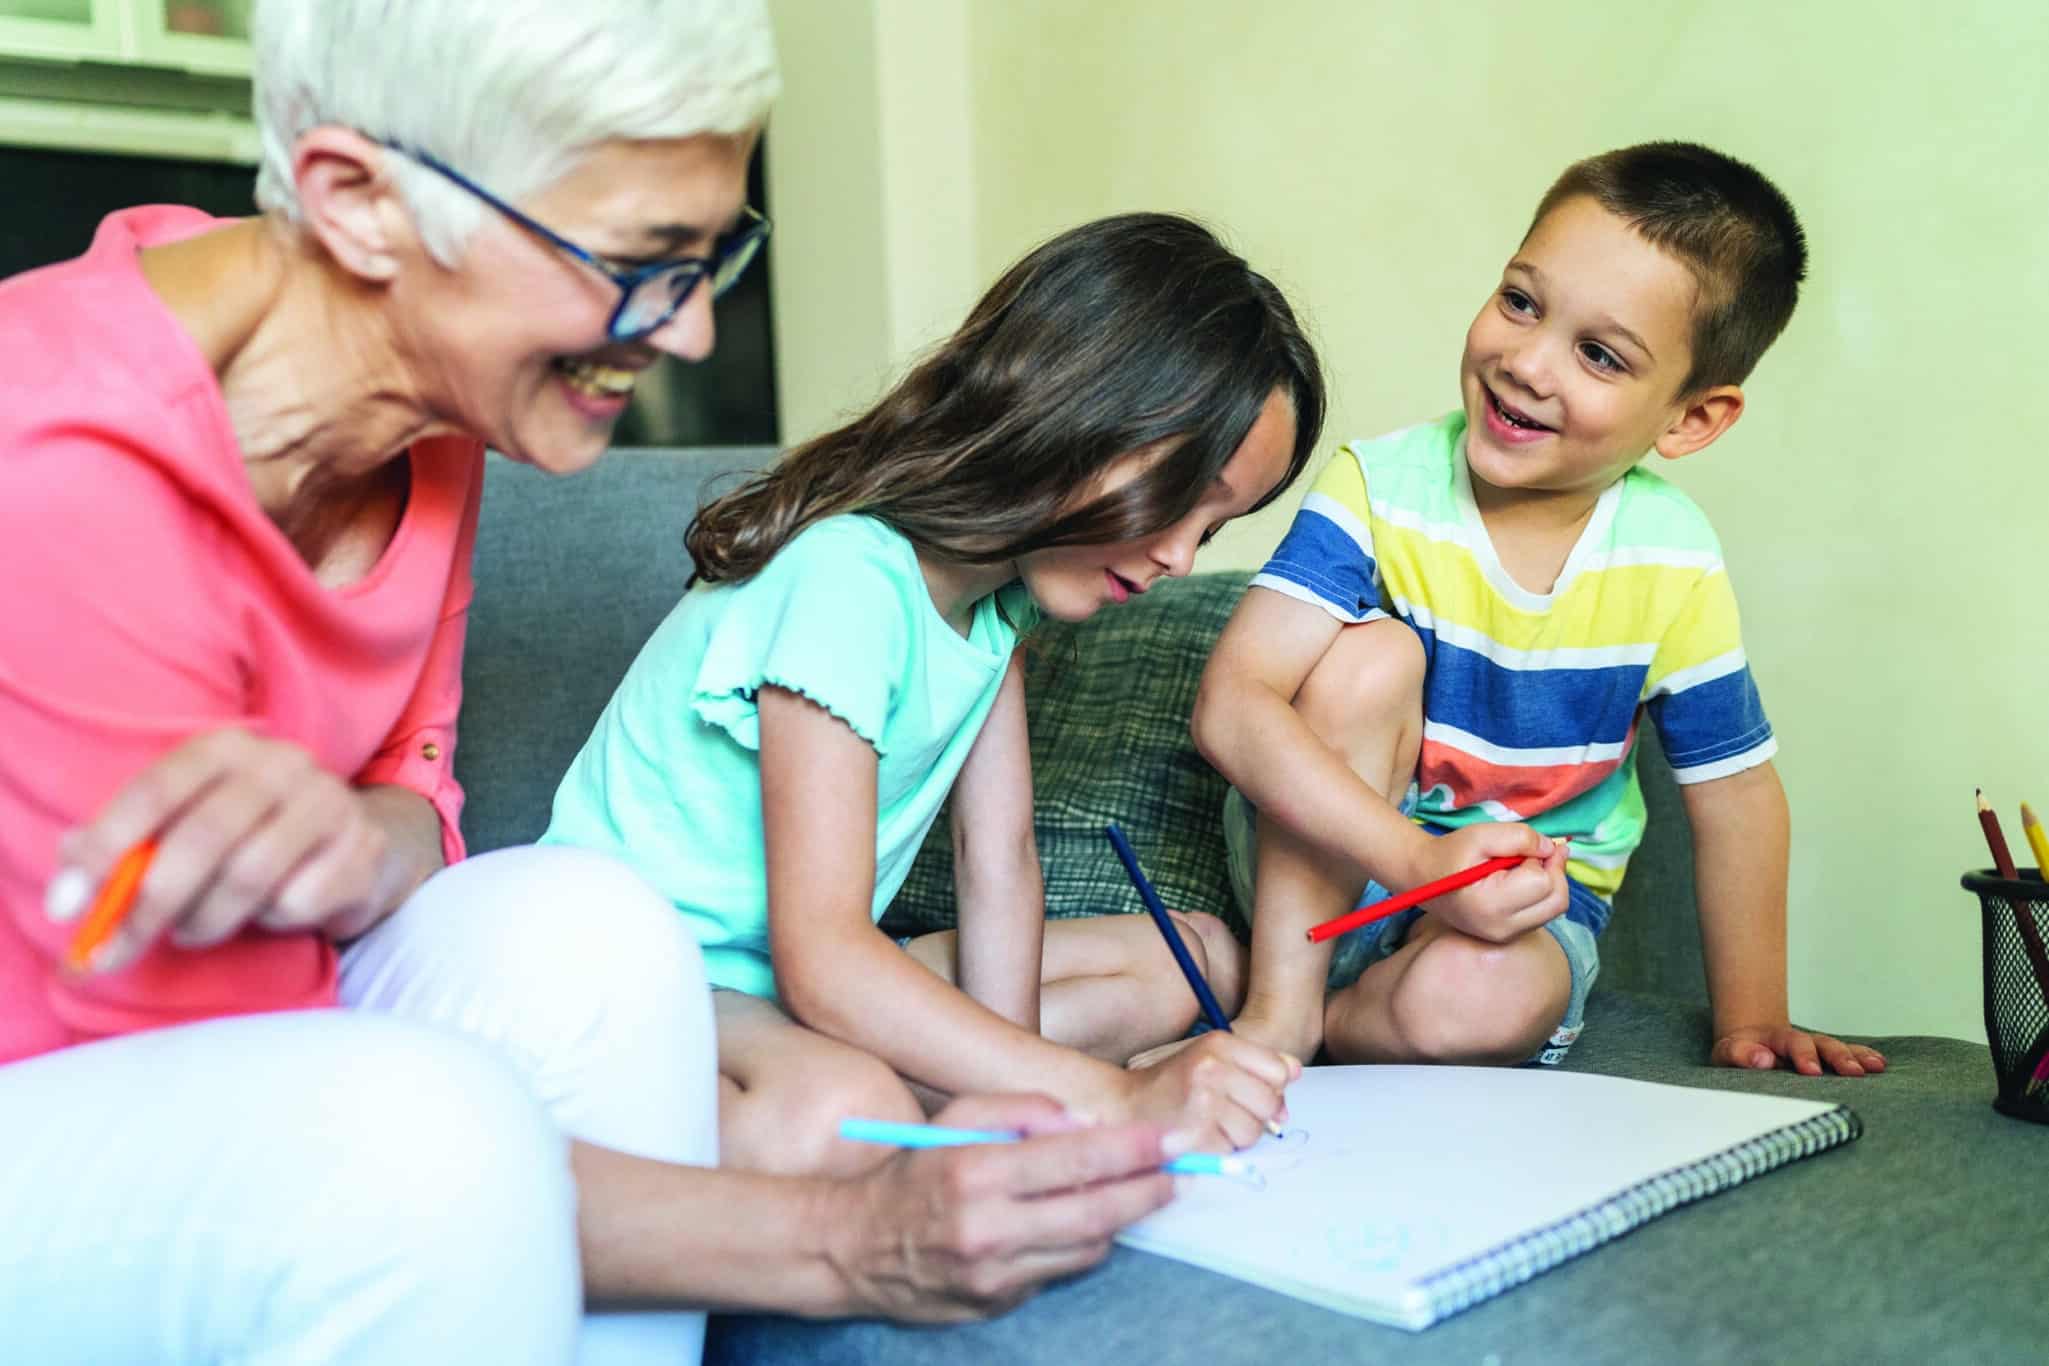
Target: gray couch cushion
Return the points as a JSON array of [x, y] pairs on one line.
[[573, 574], [1910, 1245]]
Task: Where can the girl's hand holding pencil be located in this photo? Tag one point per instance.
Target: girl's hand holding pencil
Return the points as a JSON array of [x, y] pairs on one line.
[[1221, 1090], [1157, 1064]]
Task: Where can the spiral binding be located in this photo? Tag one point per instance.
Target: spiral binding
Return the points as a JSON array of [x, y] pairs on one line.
[[1489, 1273]]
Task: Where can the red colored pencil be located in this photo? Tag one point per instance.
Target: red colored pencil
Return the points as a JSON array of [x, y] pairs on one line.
[[1394, 905], [2002, 857]]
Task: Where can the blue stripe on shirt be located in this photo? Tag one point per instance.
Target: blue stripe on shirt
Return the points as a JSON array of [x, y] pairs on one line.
[[1318, 555], [1711, 721], [1529, 708]]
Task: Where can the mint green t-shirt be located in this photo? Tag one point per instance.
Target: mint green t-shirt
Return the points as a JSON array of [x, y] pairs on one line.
[[670, 780]]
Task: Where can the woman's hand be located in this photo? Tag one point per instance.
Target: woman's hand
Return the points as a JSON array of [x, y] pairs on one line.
[[250, 831], [951, 1234], [1219, 1091]]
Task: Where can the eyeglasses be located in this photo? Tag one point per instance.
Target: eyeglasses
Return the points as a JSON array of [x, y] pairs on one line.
[[650, 295]]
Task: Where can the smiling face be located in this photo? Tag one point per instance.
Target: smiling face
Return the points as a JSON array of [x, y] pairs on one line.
[[1070, 582], [512, 340], [1572, 369]]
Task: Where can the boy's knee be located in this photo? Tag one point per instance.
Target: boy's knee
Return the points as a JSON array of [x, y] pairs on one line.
[[1464, 1000], [1370, 677], [792, 1126]]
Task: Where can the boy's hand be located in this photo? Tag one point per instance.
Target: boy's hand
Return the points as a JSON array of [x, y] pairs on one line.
[[1503, 905], [1765, 1047], [1218, 1093]]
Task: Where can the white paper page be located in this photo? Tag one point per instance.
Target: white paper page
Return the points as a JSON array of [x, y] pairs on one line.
[[1404, 1171]]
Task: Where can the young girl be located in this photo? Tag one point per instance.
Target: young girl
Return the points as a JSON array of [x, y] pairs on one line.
[[776, 754]]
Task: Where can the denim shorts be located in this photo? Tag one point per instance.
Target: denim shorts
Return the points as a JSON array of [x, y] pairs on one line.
[[1362, 948]]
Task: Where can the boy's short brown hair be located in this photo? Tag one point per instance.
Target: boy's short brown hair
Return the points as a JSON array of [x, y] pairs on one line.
[[1720, 217]]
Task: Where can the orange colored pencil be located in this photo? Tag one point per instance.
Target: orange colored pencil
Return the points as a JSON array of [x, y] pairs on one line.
[[110, 907]]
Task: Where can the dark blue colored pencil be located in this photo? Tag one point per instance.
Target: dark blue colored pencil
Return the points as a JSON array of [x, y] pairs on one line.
[[1211, 1011]]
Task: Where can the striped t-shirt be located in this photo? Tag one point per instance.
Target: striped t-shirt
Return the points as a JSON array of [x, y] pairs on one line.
[[1530, 702]]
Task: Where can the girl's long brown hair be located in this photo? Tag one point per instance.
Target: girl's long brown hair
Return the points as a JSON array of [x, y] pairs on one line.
[[1130, 333]]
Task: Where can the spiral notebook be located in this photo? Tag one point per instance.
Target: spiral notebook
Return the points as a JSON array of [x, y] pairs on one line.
[[1405, 1194]]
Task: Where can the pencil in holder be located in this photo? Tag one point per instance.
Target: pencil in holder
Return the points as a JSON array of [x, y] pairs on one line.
[[2016, 923]]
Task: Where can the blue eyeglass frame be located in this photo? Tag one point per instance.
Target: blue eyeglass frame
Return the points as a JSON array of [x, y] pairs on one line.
[[683, 273]]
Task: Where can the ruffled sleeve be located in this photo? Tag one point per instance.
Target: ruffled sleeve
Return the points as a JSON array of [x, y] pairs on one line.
[[832, 617]]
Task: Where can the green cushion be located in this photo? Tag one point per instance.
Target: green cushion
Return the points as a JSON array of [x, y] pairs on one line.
[[1108, 702]]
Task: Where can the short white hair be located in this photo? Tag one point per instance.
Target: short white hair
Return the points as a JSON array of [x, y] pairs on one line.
[[513, 93]]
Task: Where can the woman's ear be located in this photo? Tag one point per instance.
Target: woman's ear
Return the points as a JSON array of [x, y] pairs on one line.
[[350, 203], [1703, 418]]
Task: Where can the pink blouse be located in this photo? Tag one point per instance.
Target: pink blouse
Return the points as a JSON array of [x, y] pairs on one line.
[[146, 598]]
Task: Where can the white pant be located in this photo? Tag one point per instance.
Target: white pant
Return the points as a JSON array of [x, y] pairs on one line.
[[345, 1186]]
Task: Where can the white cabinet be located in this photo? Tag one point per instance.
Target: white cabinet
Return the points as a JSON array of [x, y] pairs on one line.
[[206, 36], [141, 77], [61, 29], [195, 35]]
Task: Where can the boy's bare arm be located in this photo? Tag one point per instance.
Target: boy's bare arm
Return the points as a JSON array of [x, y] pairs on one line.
[[1740, 833]]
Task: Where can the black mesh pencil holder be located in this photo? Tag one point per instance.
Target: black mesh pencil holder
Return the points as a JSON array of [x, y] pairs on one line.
[[2016, 918]]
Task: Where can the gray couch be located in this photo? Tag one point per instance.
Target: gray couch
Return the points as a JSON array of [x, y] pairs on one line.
[[1923, 1241]]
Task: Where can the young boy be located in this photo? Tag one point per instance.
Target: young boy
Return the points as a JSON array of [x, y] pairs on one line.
[[1448, 656]]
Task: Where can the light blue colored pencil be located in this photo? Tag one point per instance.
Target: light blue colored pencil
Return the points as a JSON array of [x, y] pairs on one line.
[[939, 1136]]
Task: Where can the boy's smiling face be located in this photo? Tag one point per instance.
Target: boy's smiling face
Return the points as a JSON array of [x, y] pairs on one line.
[[1572, 369]]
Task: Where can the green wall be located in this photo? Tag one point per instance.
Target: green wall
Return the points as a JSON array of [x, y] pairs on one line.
[[1884, 504]]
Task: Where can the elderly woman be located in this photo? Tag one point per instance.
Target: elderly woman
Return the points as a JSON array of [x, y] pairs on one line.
[[239, 469]]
